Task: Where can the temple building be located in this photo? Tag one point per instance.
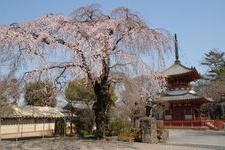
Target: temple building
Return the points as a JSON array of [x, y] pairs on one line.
[[183, 103], [28, 121]]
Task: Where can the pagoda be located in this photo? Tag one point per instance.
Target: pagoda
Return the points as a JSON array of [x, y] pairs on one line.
[[182, 102]]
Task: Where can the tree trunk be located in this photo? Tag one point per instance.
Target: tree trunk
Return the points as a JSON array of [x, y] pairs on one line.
[[101, 108], [71, 126]]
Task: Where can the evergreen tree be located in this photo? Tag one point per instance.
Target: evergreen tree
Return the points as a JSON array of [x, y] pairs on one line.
[[40, 94], [214, 88], [215, 61]]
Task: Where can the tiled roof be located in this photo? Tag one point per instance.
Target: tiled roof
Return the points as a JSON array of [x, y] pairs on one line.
[[176, 92], [187, 96], [12, 111], [176, 69]]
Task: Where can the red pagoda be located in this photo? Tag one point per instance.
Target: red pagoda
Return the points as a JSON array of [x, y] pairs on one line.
[[183, 110]]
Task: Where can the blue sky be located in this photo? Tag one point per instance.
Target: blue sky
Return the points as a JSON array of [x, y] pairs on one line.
[[199, 24]]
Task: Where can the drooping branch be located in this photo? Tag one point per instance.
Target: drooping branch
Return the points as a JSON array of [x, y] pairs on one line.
[[92, 43], [62, 66]]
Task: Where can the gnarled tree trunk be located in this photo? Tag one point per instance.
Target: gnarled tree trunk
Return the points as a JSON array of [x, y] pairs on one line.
[[101, 107]]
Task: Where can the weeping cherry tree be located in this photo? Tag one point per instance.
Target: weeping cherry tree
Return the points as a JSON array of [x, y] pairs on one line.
[[91, 46]]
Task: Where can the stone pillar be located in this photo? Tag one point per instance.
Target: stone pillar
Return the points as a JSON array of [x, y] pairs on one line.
[[148, 130]]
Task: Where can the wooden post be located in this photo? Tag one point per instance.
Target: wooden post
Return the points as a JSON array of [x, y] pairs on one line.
[[0, 126], [64, 127], [34, 125], [21, 133], [18, 129], [43, 134], [1, 123]]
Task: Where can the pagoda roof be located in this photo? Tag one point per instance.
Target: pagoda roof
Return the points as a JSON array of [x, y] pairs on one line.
[[181, 95], [178, 69]]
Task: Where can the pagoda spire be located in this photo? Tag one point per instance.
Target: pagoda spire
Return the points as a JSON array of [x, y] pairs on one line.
[[176, 50]]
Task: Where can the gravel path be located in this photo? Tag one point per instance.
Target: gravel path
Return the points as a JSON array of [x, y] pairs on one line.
[[205, 139], [76, 144], [179, 140]]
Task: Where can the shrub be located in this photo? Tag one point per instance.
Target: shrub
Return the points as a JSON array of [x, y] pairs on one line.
[[162, 132], [115, 127], [160, 127], [129, 135], [84, 122]]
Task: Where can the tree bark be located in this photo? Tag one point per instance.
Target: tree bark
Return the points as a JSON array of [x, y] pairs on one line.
[[101, 107]]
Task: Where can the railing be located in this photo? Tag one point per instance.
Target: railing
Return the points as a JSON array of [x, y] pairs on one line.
[[187, 123]]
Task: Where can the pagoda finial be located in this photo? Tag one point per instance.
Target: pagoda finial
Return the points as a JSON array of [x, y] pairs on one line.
[[176, 50]]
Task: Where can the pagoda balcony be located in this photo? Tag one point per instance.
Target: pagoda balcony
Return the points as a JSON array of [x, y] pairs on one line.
[[198, 123]]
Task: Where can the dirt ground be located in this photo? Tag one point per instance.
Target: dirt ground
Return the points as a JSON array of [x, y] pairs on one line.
[[75, 144], [179, 140]]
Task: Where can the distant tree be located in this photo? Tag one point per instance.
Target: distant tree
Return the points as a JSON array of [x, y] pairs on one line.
[[135, 94], [215, 90], [13, 90], [214, 87], [10, 89], [40, 94], [94, 44], [3, 100], [79, 91], [215, 61], [9, 85]]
